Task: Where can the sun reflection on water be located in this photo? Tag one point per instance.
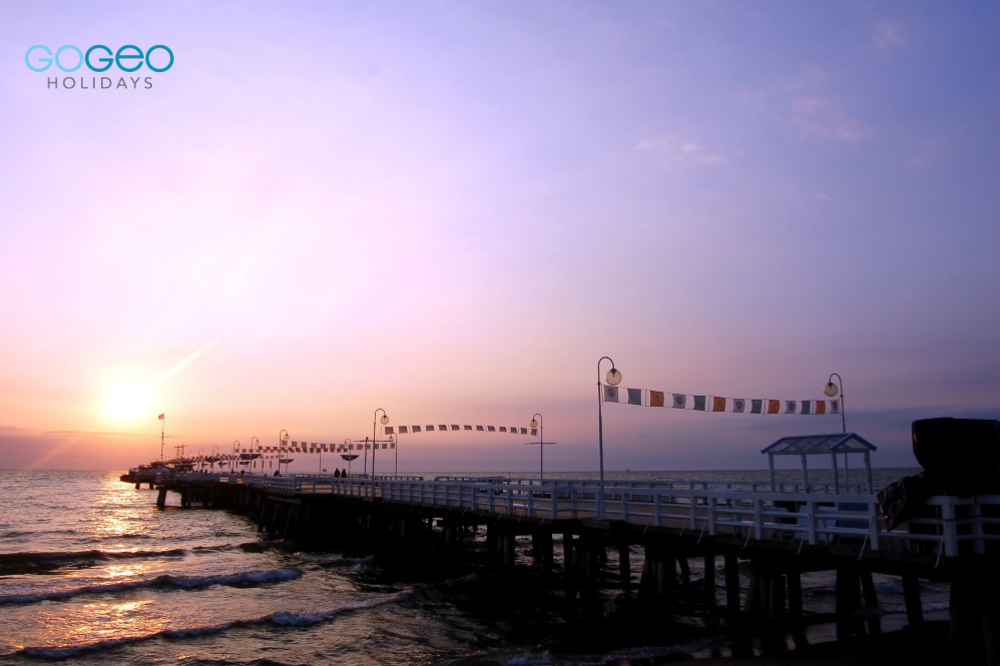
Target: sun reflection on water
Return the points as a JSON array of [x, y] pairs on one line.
[[105, 620]]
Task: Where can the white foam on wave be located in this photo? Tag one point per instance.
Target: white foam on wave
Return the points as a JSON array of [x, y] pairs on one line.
[[242, 579], [361, 560], [279, 618]]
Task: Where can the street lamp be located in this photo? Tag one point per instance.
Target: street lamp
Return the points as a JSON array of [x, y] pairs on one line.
[[831, 390], [375, 420], [614, 378], [282, 440], [233, 460], [253, 461], [536, 422], [349, 456], [395, 447]]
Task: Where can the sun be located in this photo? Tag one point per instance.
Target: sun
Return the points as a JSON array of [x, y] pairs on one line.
[[127, 401]]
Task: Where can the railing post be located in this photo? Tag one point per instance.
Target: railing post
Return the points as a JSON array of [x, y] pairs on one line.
[[711, 516], [624, 506], [656, 510], [876, 513], [758, 519], [950, 528], [978, 543], [693, 509], [811, 522]]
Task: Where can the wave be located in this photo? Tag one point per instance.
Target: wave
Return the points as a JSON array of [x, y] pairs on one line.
[[13, 534], [54, 557], [277, 619], [48, 557], [243, 579]]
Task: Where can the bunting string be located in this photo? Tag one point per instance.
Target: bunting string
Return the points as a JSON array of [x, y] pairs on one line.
[[714, 403], [443, 427]]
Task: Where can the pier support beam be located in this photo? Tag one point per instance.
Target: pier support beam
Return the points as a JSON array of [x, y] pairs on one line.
[[911, 597], [541, 546], [794, 594], [624, 567], [732, 565], [848, 600], [161, 498]]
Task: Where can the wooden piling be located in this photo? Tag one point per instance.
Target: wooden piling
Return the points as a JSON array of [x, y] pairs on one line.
[[794, 580], [911, 597], [732, 566], [624, 567], [871, 602], [708, 580], [848, 600]]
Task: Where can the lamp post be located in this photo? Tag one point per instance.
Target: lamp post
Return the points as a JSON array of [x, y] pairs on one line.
[[215, 456], [613, 378], [536, 422], [253, 461], [395, 447], [831, 390], [236, 450], [282, 440], [349, 456], [375, 421]]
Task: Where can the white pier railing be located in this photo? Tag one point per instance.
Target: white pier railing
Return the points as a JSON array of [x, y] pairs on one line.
[[748, 511]]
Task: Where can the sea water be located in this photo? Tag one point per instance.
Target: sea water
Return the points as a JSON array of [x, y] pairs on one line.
[[91, 571]]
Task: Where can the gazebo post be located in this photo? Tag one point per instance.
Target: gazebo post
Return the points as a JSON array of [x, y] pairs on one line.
[[805, 473], [836, 474], [868, 466], [847, 473], [770, 464]]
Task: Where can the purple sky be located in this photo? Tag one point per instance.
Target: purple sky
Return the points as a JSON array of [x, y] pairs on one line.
[[452, 210]]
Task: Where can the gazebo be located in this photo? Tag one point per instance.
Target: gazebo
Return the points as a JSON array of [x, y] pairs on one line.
[[831, 445]]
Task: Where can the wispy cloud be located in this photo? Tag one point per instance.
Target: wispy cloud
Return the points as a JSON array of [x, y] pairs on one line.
[[672, 149], [818, 116], [888, 35], [929, 153], [807, 77]]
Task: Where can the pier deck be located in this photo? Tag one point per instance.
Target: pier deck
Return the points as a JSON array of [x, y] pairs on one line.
[[748, 514]]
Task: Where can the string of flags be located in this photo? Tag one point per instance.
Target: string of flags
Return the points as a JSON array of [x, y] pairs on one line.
[[443, 427], [713, 403]]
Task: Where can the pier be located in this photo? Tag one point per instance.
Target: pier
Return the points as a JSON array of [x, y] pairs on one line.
[[781, 531]]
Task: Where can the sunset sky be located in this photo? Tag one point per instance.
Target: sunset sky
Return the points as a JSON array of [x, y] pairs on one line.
[[451, 210]]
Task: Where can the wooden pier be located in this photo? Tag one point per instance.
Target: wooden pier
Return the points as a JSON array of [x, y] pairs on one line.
[[783, 531]]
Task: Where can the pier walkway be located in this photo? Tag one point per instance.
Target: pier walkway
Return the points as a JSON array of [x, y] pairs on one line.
[[851, 520], [778, 533]]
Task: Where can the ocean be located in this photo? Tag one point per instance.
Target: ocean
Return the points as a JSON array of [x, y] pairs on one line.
[[92, 572]]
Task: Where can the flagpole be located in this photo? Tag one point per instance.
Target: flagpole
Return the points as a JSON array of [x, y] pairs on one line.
[[163, 429]]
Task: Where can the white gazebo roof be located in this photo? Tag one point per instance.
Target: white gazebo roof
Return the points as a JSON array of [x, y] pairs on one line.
[[819, 444], [830, 445]]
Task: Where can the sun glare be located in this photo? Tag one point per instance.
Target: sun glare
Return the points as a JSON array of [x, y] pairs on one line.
[[127, 401]]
